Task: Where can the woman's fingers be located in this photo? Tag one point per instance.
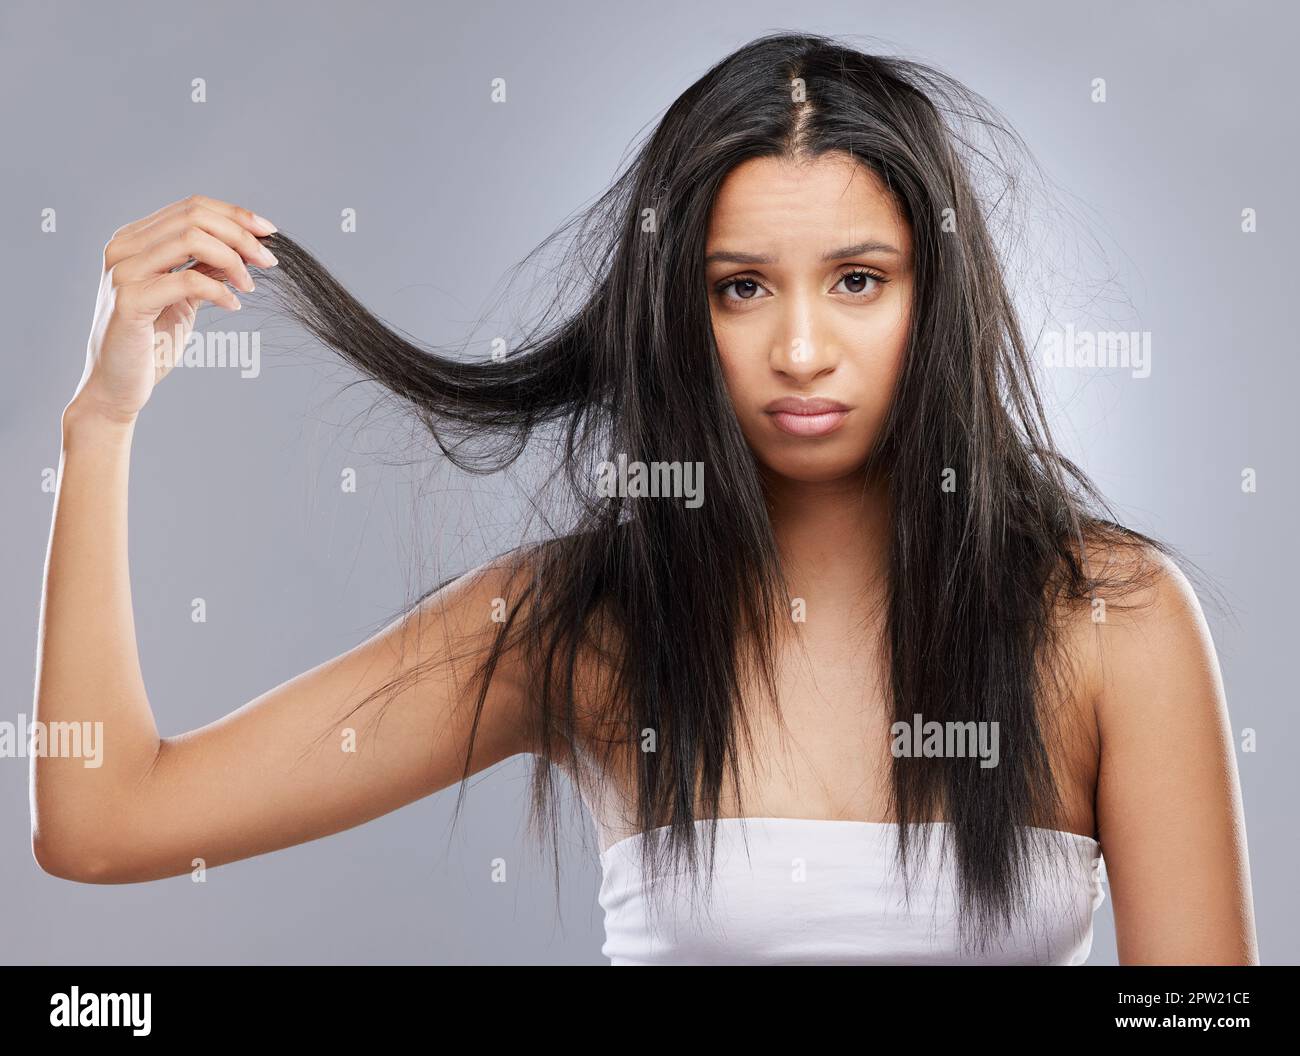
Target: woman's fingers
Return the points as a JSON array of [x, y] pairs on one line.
[[157, 273], [246, 217], [207, 269], [242, 226], [179, 247], [150, 298], [259, 225], [189, 225]]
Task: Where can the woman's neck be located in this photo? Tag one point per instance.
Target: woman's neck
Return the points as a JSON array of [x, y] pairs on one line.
[[833, 537]]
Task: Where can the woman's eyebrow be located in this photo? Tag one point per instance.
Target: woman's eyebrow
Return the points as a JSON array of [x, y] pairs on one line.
[[731, 257], [870, 246]]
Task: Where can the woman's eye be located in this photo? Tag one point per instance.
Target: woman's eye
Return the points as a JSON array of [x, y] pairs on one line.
[[860, 282], [857, 283], [744, 289]]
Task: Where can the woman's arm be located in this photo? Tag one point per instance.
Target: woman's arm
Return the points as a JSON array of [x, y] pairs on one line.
[[282, 769], [1169, 810]]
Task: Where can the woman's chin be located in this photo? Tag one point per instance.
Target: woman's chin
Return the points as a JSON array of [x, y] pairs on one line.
[[812, 467]]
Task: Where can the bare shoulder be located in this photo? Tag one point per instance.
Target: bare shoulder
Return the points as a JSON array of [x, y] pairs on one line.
[[1145, 626], [481, 597], [472, 625], [1168, 803], [1144, 656], [1135, 600], [503, 613]]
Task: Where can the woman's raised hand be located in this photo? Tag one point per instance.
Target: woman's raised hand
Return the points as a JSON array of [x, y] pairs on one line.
[[146, 309]]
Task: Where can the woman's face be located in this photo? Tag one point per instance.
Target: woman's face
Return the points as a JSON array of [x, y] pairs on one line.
[[809, 270]]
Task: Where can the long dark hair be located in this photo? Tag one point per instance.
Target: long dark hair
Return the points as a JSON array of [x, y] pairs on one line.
[[679, 606]]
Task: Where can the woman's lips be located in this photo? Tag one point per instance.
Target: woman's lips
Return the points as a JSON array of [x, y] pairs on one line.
[[808, 424], [798, 416]]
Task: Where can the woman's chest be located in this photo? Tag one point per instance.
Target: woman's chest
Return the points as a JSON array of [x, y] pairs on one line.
[[826, 747]]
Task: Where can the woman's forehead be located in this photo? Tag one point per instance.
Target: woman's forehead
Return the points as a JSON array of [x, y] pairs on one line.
[[779, 207]]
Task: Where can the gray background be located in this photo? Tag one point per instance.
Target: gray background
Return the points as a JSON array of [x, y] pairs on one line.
[[384, 108]]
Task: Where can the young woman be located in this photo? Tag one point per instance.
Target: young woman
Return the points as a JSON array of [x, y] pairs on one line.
[[890, 683]]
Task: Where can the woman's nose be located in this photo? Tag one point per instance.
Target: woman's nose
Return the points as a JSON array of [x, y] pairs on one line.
[[804, 349]]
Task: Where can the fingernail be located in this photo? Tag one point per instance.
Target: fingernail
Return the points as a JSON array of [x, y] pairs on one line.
[[264, 222], [267, 257], [237, 304]]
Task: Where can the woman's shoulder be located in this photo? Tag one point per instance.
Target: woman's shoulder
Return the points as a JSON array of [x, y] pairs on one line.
[[1136, 623], [1168, 804], [516, 602], [1130, 583]]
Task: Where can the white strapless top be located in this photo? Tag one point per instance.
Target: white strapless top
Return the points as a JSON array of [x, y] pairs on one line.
[[821, 891]]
